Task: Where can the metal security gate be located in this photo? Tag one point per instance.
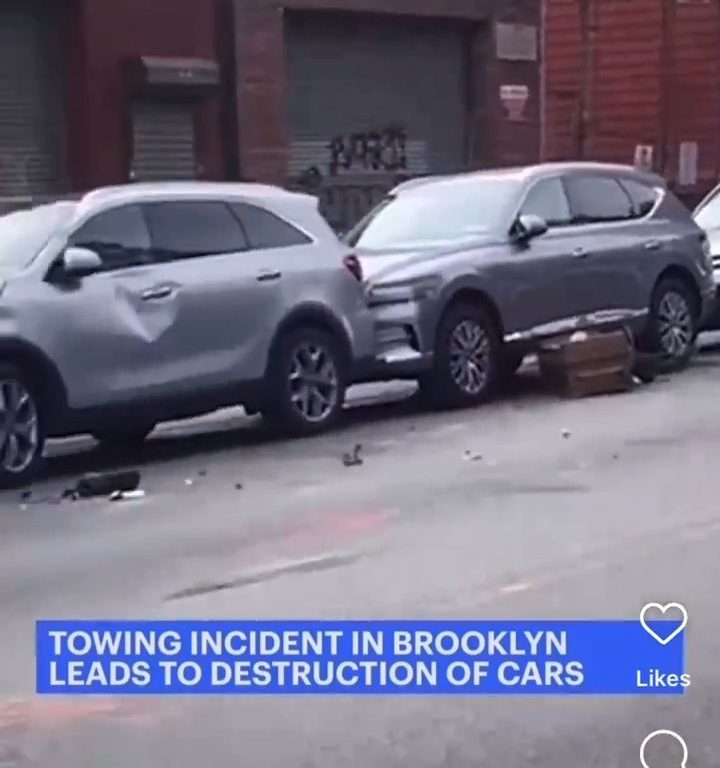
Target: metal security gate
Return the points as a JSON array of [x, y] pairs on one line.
[[163, 134], [31, 100], [372, 100]]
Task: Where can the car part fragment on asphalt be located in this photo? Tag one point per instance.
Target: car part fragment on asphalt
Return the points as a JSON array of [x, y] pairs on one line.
[[648, 366], [353, 459], [127, 495], [105, 483]]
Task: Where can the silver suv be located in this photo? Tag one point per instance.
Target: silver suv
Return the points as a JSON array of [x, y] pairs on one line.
[[149, 302]]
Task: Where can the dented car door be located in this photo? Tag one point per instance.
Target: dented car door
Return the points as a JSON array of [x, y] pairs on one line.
[[115, 323], [231, 297]]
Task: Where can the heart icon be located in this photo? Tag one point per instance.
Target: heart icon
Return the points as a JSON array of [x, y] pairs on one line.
[[664, 609]]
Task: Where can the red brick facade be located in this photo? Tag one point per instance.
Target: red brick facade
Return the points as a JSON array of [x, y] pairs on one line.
[[260, 84], [102, 36], [242, 129], [646, 72]]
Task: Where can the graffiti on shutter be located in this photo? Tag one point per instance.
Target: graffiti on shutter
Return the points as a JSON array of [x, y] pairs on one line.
[[374, 152]]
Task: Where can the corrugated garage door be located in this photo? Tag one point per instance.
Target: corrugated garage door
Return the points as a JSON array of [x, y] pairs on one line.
[[163, 141], [31, 100], [372, 98]]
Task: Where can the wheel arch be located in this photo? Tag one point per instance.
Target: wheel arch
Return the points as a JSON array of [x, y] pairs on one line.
[[685, 276], [312, 315], [43, 373], [471, 293]]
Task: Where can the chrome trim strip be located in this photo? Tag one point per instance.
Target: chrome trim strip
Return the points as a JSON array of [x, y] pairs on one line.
[[576, 323]]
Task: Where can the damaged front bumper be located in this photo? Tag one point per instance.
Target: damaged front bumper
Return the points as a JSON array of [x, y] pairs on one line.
[[403, 337]]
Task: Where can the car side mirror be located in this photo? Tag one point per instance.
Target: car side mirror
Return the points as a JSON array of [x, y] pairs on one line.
[[529, 226], [80, 262]]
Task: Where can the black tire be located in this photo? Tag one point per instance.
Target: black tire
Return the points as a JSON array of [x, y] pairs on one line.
[[132, 437], [510, 363], [440, 387], [284, 409], [31, 411], [672, 295]]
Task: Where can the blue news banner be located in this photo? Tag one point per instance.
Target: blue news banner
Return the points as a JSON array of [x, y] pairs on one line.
[[368, 657]]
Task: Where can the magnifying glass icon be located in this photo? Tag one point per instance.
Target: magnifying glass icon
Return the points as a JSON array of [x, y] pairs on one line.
[[667, 734]]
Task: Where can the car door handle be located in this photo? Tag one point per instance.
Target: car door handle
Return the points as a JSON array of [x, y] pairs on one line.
[[159, 292], [268, 274], [579, 253], [652, 245]]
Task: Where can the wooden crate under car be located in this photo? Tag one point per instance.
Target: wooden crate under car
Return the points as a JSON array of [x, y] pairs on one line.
[[596, 364]]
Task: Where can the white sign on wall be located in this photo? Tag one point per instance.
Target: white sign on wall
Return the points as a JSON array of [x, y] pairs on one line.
[[643, 159], [688, 163]]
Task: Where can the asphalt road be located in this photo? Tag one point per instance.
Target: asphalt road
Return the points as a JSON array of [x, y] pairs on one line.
[[531, 507]]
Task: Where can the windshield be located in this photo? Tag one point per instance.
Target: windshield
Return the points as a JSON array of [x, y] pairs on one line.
[[436, 213], [23, 234]]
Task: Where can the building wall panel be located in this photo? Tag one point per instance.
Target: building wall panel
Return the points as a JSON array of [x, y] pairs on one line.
[[114, 32], [619, 74], [262, 118]]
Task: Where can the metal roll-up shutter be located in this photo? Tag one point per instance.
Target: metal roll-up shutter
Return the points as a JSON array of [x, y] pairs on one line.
[[163, 141], [31, 100], [372, 100]]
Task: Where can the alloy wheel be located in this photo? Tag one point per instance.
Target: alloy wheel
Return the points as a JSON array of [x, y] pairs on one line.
[[19, 432], [470, 356], [313, 380], [675, 324]]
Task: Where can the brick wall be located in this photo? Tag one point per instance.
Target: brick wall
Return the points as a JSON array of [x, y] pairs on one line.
[[101, 36], [260, 78]]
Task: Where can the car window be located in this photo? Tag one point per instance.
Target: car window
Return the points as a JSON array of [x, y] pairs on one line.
[[119, 236], [186, 229], [265, 230], [547, 199], [597, 199], [708, 217], [440, 212], [643, 196]]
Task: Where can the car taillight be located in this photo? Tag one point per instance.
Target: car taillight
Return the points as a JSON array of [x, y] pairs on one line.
[[352, 264]]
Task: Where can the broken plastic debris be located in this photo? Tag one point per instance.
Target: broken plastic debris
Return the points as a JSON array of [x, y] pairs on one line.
[[470, 456], [566, 433], [188, 481], [105, 483], [127, 495], [353, 459]]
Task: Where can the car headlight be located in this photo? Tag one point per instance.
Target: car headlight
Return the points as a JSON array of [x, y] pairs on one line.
[[406, 291]]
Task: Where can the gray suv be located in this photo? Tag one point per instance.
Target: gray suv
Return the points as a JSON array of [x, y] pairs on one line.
[[144, 303], [465, 274]]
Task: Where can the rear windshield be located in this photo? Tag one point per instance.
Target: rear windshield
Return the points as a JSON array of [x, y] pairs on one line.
[[437, 213], [23, 234]]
